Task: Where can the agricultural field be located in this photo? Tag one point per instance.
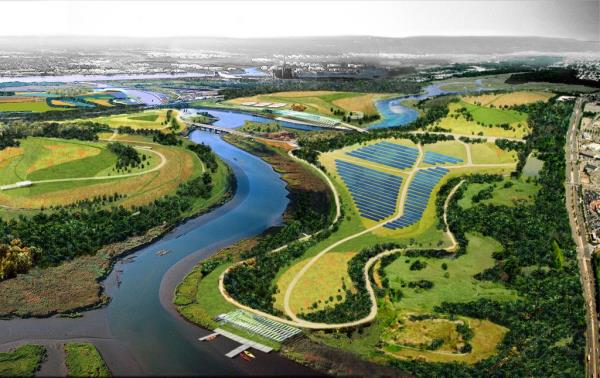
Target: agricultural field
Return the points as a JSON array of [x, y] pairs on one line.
[[84, 360], [66, 171]]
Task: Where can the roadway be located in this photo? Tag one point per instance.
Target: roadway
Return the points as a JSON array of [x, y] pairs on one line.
[[584, 251]]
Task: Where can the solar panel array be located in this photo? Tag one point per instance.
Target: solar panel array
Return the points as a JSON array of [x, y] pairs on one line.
[[375, 193], [417, 197], [386, 153], [260, 325], [434, 158]]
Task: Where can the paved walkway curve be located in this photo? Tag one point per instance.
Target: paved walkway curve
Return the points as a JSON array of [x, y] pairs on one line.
[[369, 318], [163, 161]]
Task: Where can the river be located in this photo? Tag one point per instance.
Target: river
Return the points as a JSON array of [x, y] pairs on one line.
[[395, 114], [139, 332]]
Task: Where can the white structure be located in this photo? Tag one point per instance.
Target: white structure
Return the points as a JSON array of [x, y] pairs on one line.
[[20, 184]]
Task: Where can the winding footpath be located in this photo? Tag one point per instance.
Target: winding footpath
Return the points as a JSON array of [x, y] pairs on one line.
[[295, 320]]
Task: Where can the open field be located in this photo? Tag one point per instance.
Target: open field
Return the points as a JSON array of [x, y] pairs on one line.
[[486, 337], [319, 102], [23, 361], [324, 284], [505, 193], [508, 99], [485, 121], [149, 119], [84, 360], [489, 153], [53, 159], [455, 283], [35, 106]]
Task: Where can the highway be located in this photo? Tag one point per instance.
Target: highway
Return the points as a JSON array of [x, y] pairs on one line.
[[584, 251]]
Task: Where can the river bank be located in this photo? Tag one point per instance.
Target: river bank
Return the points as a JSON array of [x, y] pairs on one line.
[[135, 333], [75, 285]]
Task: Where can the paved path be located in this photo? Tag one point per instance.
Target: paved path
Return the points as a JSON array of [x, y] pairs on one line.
[[163, 161]]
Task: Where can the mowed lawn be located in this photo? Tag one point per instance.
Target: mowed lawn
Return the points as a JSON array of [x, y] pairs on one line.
[[84, 360], [454, 284], [319, 102], [505, 193]]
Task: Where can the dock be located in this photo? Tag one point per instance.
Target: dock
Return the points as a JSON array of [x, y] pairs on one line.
[[245, 343]]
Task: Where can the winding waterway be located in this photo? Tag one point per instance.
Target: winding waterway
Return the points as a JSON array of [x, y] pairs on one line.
[[139, 332], [395, 114]]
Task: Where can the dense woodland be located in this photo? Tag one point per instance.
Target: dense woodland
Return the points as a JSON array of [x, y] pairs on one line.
[[246, 88]]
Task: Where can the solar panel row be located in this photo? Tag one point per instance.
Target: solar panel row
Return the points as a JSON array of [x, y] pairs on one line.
[[417, 197], [375, 193], [260, 325], [386, 153], [434, 158]]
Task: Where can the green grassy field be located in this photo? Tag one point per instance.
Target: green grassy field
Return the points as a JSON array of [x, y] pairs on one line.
[[453, 284], [508, 99], [494, 116], [488, 118], [29, 106], [84, 360], [23, 361], [148, 119], [489, 153], [47, 159], [505, 193]]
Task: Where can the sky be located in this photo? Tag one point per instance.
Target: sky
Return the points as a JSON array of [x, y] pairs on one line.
[[579, 19]]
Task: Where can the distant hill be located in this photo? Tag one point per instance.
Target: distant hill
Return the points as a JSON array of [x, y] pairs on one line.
[[431, 45]]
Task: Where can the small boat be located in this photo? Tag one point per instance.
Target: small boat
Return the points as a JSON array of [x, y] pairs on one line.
[[211, 337], [245, 357], [249, 354], [163, 252]]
